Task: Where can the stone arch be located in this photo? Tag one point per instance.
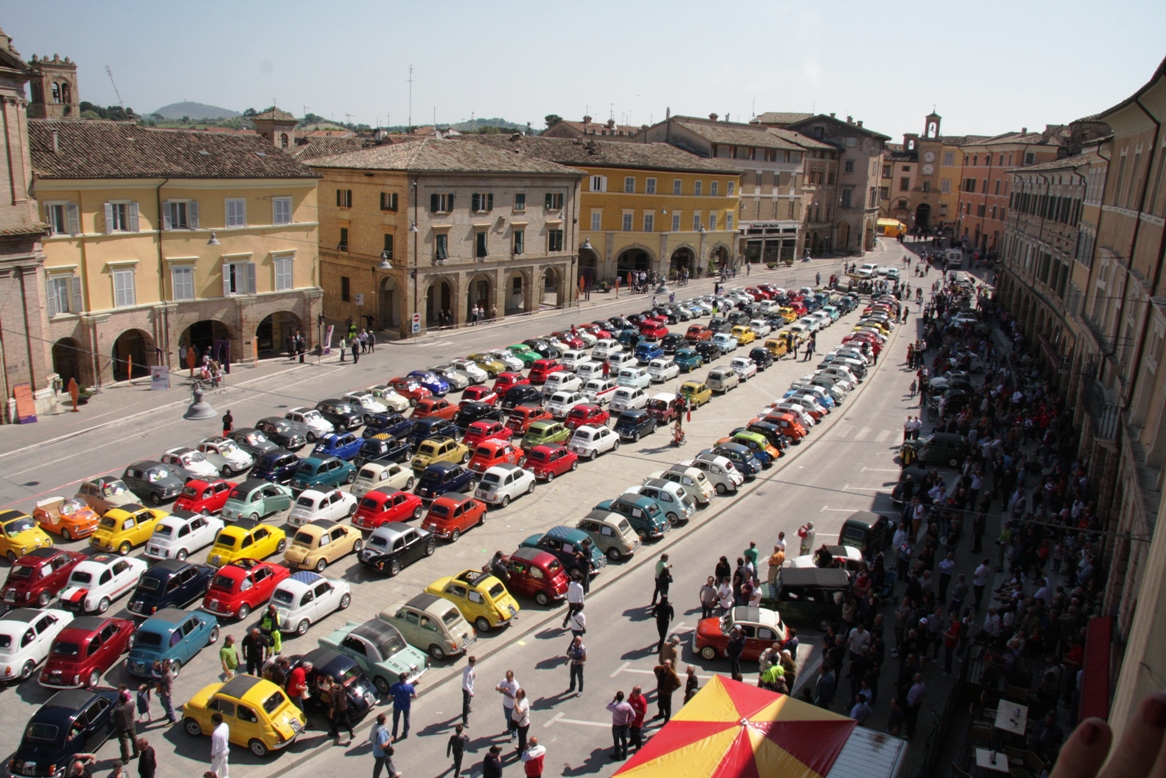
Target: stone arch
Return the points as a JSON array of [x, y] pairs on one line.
[[719, 257], [480, 292], [843, 234], [206, 337], [133, 353], [69, 361], [588, 266], [439, 297], [923, 216], [683, 258], [517, 292], [284, 140], [634, 258], [551, 287], [271, 336], [389, 304]]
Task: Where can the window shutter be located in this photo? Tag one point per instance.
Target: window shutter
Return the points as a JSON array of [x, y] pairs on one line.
[[167, 216], [449, 201], [433, 203], [108, 218], [73, 217], [547, 201], [51, 298], [250, 278], [192, 214], [475, 202], [226, 280], [76, 289], [133, 212], [490, 202]]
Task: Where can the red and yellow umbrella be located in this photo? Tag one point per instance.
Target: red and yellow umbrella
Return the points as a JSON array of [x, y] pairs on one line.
[[734, 730]]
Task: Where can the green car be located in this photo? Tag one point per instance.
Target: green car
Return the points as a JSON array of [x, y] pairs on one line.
[[321, 473], [543, 432], [687, 360], [524, 352], [380, 651], [256, 499]]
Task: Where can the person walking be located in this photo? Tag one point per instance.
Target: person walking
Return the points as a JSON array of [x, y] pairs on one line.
[[220, 745], [508, 688], [126, 727], [575, 597], [521, 717], [950, 640], [532, 759], [639, 705], [980, 582], [270, 625], [355, 351], [143, 703], [663, 613], [825, 686], [147, 759], [165, 687], [256, 649], [456, 748], [662, 570], [576, 658], [622, 715], [946, 570], [339, 716], [469, 675], [382, 748], [228, 423], [297, 686], [229, 658], [403, 694], [667, 682], [734, 649], [914, 703]]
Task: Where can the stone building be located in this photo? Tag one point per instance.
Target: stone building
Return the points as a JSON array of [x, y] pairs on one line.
[[53, 84], [431, 226], [608, 130], [277, 126]]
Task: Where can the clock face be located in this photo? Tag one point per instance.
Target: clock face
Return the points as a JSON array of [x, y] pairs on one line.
[[928, 170], [929, 157]]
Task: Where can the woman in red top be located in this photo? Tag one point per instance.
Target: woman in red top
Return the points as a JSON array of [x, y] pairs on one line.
[[639, 704]]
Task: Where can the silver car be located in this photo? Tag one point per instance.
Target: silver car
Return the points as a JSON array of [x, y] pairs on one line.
[[226, 455]]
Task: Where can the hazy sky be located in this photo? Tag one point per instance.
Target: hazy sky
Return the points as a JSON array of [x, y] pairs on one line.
[[987, 66]]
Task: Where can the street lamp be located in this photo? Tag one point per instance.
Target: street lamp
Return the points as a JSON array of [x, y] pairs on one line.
[[214, 239], [199, 409], [385, 264]]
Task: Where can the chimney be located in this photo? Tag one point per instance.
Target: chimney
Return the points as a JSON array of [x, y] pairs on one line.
[[611, 124], [587, 120], [831, 114], [726, 117], [849, 119], [1024, 131], [712, 117], [56, 143], [859, 123]]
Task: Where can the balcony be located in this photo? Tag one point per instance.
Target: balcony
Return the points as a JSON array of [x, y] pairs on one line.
[[1105, 414]]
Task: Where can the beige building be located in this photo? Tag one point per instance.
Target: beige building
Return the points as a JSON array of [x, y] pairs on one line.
[[929, 165], [434, 227], [608, 130]]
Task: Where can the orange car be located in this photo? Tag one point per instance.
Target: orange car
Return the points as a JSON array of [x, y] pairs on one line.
[[790, 426], [434, 408], [493, 451], [524, 415], [66, 516]]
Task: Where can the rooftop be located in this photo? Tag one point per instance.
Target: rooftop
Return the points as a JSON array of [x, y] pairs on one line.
[[274, 114], [782, 117], [588, 153], [732, 133], [437, 155], [1064, 163]]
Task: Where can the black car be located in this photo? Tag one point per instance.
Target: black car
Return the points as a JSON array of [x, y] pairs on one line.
[[761, 357], [476, 411], [671, 342], [253, 441], [444, 477], [343, 414], [719, 324], [171, 583], [277, 466], [770, 432], [619, 323], [634, 424], [394, 546], [153, 481], [72, 722], [361, 693], [432, 428], [523, 394], [391, 423], [382, 448], [285, 433], [708, 351]]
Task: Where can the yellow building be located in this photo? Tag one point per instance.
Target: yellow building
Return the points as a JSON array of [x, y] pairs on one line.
[[920, 183], [643, 206], [162, 240]]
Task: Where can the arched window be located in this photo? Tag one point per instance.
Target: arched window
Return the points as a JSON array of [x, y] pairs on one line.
[[283, 140], [66, 93], [56, 92]]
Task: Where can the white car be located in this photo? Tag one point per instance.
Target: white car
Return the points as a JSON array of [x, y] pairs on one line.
[[562, 381], [366, 400], [26, 634], [305, 597], [599, 390], [605, 348], [663, 369], [226, 455], [891, 273], [388, 397], [572, 358], [99, 580], [633, 376], [744, 367], [677, 505], [502, 483], [761, 327], [373, 475], [180, 534], [810, 400], [620, 359], [561, 403], [718, 470], [333, 505], [191, 461], [507, 358], [823, 318], [688, 478], [840, 372], [799, 412], [311, 418], [471, 369], [591, 440], [628, 397], [588, 339], [557, 343], [810, 323], [725, 342]]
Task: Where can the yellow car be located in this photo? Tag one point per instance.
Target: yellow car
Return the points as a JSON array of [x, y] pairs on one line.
[[321, 542], [777, 347], [21, 535], [744, 335], [434, 450], [259, 714], [123, 529], [481, 598], [789, 314], [246, 539], [488, 363], [696, 393]]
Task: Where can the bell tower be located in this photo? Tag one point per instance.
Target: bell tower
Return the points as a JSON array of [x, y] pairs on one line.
[[931, 126], [54, 88], [278, 126]]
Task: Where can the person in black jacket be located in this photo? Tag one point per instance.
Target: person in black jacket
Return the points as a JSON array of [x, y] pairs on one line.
[[492, 766], [664, 614], [735, 648], [147, 759], [125, 727]]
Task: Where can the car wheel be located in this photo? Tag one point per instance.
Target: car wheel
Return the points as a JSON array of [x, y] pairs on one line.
[[673, 519], [382, 685], [708, 652], [430, 547], [244, 612], [228, 471], [279, 549], [550, 476], [321, 563], [614, 554], [636, 439], [345, 601], [453, 536], [42, 599], [721, 488], [175, 667], [824, 624], [93, 679], [409, 483], [350, 477], [482, 624], [505, 501], [643, 535], [254, 517], [257, 747], [465, 457], [66, 535], [192, 727], [615, 446], [436, 652], [157, 498], [26, 671], [124, 548], [542, 599], [417, 512], [213, 637], [302, 627], [103, 606], [394, 568], [311, 437]]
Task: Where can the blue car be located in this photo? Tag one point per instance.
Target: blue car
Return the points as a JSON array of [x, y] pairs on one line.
[[72, 722], [442, 478], [646, 352], [171, 583], [423, 429], [431, 381], [741, 457], [827, 401], [171, 634], [392, 423], [343, 445], [277, 466]]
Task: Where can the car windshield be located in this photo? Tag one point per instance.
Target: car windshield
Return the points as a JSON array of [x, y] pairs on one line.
[[226, 541], [496, 591], [66, 648], [439, 510], [491, 478], [163, 530], [23, 571], [284, 597], [431, 477], [81, 577], [17, 526], [46, 733], [147, 640], [304, 539], [536, 455], [308, 502], [378, 541], [107, 522], [224, 582], [273, 703], [149, 584], [191, 491]]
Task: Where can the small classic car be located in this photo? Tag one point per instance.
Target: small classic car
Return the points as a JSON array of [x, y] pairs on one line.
[[283, 432], [253, 441], [451, 515], [537, 574], [84, 650], [181, 533], [20, 535], [226, 455], [71, 722], [326, 662], [69, 517], [482, 599], [187, 463], [386, 504], [26, 634], [381, 652], [124, 529], [246, 539], [305, 597], [206, 497], [99, 580], [106, 492], [319, 543], [153, 481], [172, 634], [240, 587], [392, 547], [432, 624], [171, 583], [256, 499], [315, 472], [258, 714], [39, 576], [342, 445]]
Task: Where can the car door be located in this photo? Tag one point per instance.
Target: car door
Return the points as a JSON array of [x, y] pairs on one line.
[[190, 642], [306, 609], [456, 593], [339, 543], [409, 623], [414, 547], [326, 600], [93, 723]]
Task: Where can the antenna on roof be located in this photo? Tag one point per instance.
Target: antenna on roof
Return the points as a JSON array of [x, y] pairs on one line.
[[410, 99], [119, 100]]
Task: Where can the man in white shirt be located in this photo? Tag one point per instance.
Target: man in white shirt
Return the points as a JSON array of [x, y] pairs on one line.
[[220, 745], [781, 541], [468, 676], [1045, 592], [577, 624], [979, 581], [992, 622], [858, 639], [507, 688], [575, 596]]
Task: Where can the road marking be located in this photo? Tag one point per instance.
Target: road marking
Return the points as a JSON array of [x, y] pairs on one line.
[[836, 510], [653, 672], [862, 433], [882, 436], [849, 488], [880, 470], [559, 718], [620, 669]]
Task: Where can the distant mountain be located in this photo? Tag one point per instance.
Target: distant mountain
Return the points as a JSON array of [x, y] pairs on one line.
[[477, 124], [196, 111]]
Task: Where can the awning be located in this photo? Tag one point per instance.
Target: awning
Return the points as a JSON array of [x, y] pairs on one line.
[[1095, 680]]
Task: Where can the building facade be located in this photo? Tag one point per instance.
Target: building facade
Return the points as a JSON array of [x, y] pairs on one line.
[[160, 241], [417, 234], [608, 130], [53, 84], [929, 166]]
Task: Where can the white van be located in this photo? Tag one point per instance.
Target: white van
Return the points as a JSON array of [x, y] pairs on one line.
[[954, 257], [636, 377], [722, 379]]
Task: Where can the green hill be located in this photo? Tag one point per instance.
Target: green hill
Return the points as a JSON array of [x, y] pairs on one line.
[[196, 111]]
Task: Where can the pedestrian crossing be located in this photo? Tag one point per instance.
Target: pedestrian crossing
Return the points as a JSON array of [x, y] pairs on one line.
[[863, 434]]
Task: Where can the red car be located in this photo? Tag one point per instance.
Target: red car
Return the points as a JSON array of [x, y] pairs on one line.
[[434, 408], [241, 587], [382, 505], [536, 573], [586, 414], [600, 331], [479, 394], [697, 333], [549, 461], [574, 341], [652, 328], [506, 380], [206, 497], [543, 368], [84, 650], [39, 576], [410, 389], [486, 429], [523, 416], [762, 629], [494, 451], [452, 515]]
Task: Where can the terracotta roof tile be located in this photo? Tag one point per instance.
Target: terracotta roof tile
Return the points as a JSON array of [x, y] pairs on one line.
[[317, 147], [437, 155], [730, 133], [782, 117], [275, 114], [580, 152]]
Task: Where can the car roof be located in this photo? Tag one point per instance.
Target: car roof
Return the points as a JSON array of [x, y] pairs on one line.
[[426, 602], [70, 699], [566, 533], [87, 623], [393, 529], [834, 577], [756, 615], [169, 566], [238, 686], [169, 615], [251, 484], [306, 577]]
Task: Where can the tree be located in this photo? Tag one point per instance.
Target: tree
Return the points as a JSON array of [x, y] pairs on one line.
[[553, 119], [488, 130], [251, 112]]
